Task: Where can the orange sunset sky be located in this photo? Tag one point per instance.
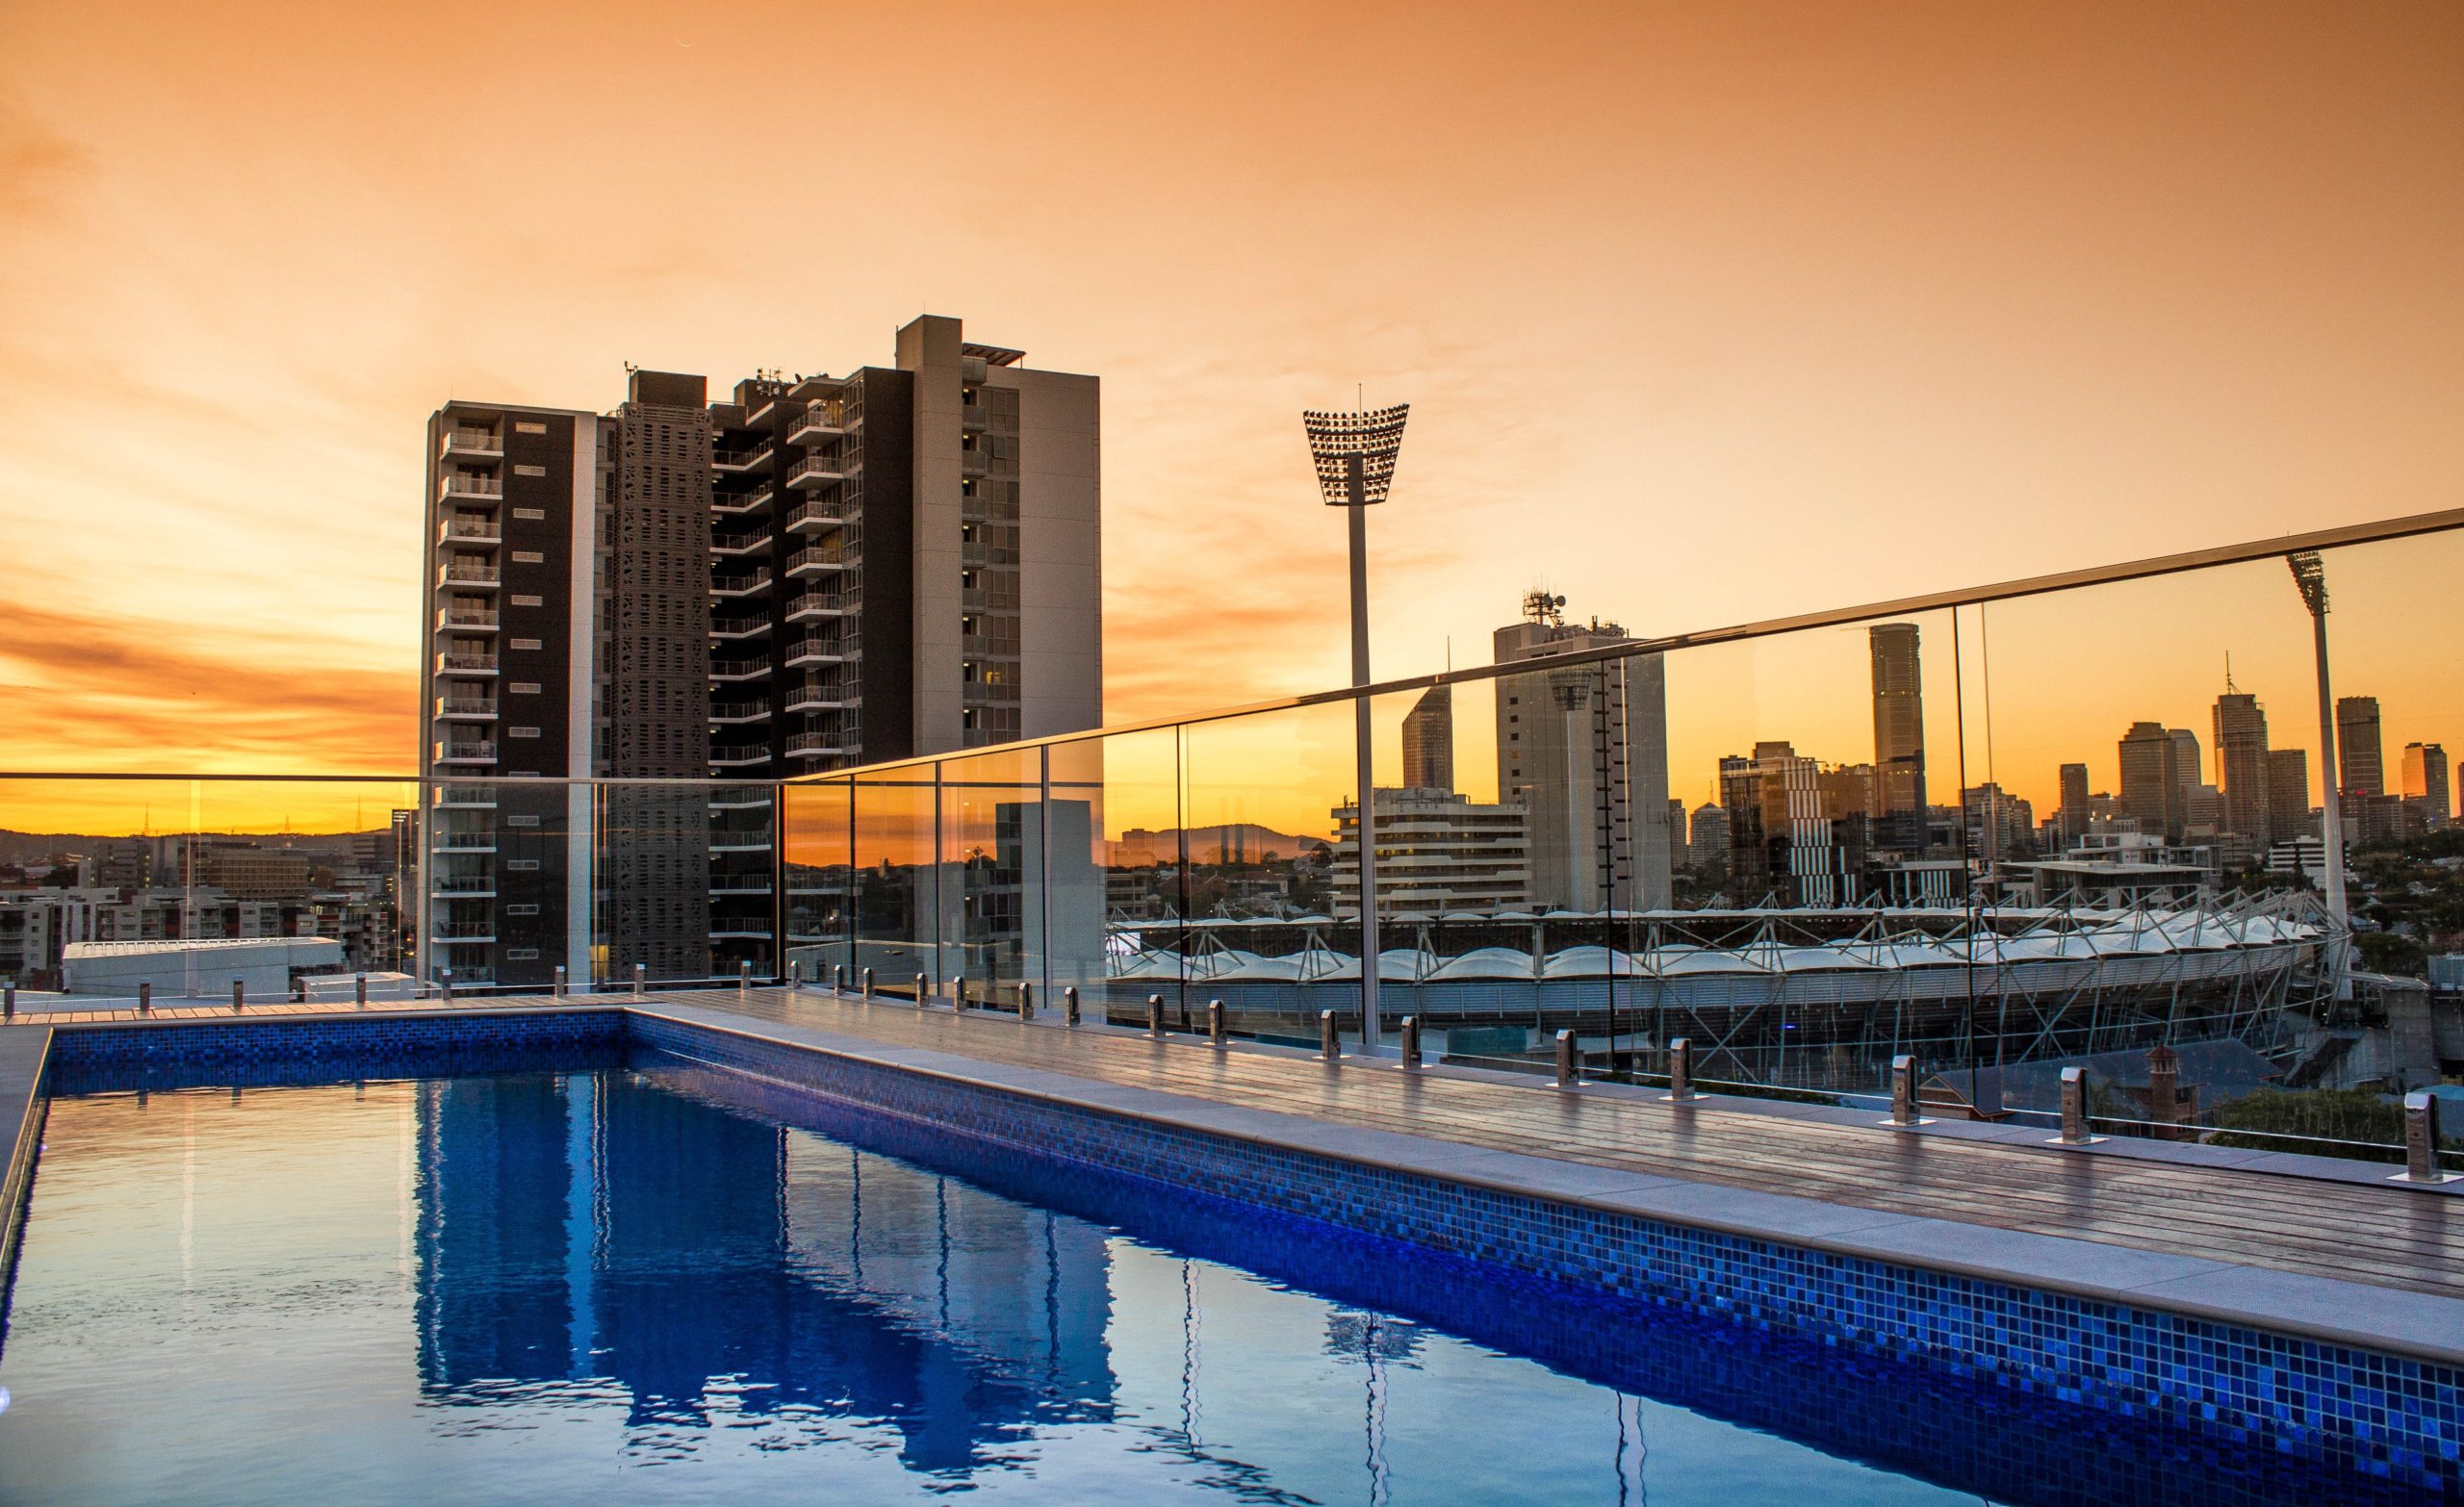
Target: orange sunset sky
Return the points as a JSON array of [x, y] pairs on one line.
[[1707, 313]]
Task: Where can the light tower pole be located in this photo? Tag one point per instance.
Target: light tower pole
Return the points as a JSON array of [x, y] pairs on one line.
[[2310, 578], [1356, 457]]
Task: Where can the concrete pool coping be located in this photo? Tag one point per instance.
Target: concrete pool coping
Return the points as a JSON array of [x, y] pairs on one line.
[[2368, 1317]]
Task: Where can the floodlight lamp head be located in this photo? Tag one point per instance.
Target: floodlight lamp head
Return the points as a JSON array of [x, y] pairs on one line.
[[1356, 452], [2310, 578]]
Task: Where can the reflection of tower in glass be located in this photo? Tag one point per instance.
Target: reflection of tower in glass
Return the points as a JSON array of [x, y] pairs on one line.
[[1899, 738]]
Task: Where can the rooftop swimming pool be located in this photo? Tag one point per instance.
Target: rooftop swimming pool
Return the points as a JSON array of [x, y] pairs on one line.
[[646, 1279]]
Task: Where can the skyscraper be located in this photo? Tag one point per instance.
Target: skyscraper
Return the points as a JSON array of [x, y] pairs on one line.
[[1899, 737], [1791, 834], [2359, 770], [2154, 790], [818, 571], [1584, 750], [2289, 794], [2426, 783], [2242, 765], [2073, 812], [1428, 741]]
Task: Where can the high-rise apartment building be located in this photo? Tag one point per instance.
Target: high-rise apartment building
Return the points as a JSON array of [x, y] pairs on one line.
[[1438, 854], [1795, 830], [814, 572], [1428, 741], [2289, 794], [2359, 769], [2425, 783], [1583, 749], [2242, 766], [1898, 806]]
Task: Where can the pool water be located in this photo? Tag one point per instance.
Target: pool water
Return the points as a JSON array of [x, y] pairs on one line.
[[664, 1282]]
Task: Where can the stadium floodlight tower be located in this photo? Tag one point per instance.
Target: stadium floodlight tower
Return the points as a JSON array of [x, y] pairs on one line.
[[1355, 454], [2310, 578]]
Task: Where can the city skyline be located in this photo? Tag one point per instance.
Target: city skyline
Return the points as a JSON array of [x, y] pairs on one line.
[[263, 625]]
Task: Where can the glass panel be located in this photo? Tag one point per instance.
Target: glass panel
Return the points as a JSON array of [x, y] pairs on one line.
[[994, 847], [1274, 926], [820, 874], [745, 899], [1116, 893], [897, 878]]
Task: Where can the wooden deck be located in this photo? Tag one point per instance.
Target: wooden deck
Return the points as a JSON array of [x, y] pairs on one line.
[[2368, 1232]]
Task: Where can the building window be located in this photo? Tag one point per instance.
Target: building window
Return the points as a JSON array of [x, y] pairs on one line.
[[532, 515], [521, 821], [530, 471], [529, 557], [521, 910], [521, 733], [521, 427], [521, 865], [522, 954], [523, 688], [520, 599], [525, 642]]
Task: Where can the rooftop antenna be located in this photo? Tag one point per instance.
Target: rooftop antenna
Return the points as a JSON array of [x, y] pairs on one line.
[[2230, 688]]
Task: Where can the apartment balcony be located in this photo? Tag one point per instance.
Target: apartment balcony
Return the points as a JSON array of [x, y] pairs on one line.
[[475, 533], [735, 545], [737, 670], [823, 420], [739, 757], [973, 419], [819, 517], [470, 666], [816, 745], [738, 629], [737, 714], [818, 560], [739, 885], [478, 752], [477, 491], [741, 842], [465, 935], [464, 842], [740, 586], [470, 578], [473, 444], [821, 651], [815, 606], [975, 462], [467, 619], [740, 800], [742, 504], [466, 798], [465, 887], [735, 463], [822, 470], [466, 708], [822, 696]]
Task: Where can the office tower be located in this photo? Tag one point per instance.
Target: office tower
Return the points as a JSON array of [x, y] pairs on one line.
[[2153, 791], [815, 573], [2242, 766], [2186, 771], [1794, 835], [2358, 770], [1428, 741], [1999, 824], [2289, 794], [1899, 738], [2426, 783], [2073, 812], [1584, 750], [1708, 844]]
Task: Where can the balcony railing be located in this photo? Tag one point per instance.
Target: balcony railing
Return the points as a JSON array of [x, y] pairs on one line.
[[822, 470], [814, 605], [817, 517], [471, 445], [451, 663], [476, 752], [740, 460], [468, 531], [742, 504], [738, 629], [725, 755], [459, 488], [823, 420], [468, 576], [740, 669], [470, 707], [822, 696], [753, 543], [736, 713], [819, 650], [740, 585], [467, 619], [815, 745]]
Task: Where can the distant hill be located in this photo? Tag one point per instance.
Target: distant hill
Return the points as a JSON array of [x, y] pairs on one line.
[[17, 847], [1237, 841]]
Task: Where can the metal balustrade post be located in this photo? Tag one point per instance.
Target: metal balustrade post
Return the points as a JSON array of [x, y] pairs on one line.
[[444, 983], [239, 995], [1904, 1108], [1070, 1005], [641, 979], [9, 1001], [1026, 1000], [795, 975], [1329, 1045], [957, 992], [561, 981], [1411, 1041], [2075, 1131], [2420, 1140], [1154, 1015], [1214, 1031], [145, 999], [1569, 1073], [359, 990], [1680, 1070], [743, 977], [837, 978], [923, 992], [869, 986]]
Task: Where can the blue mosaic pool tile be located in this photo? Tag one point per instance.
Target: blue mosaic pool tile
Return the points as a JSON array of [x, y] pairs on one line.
[[2389, 1417]]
